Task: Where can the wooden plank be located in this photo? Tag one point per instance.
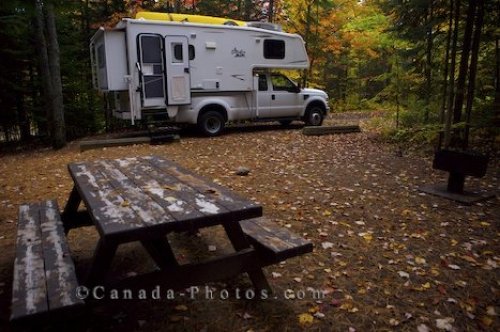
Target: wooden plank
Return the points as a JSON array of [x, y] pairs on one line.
[[59, 268], [327, 130], [29, 294], [240, 207], [274, 242], [162, 188], [96, 144], [108, 208], [148, 211]]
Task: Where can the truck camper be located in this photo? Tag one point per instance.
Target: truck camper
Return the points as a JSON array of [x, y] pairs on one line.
[[186, 71]]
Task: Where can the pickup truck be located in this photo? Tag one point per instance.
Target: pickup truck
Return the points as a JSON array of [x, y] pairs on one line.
[[277, 98]]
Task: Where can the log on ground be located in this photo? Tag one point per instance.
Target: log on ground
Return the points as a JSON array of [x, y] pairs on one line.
[[327, 130]]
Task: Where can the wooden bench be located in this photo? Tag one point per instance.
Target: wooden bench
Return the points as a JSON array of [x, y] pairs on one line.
[[273, 242], [44, 274]]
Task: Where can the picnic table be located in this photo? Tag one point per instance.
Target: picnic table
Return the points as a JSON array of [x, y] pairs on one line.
[[143, 199]]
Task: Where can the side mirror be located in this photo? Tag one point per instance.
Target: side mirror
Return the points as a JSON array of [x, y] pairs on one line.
[[299, 88]]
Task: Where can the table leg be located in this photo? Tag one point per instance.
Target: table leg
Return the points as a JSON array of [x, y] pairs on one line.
[[101, 262], [239, 242], [71, 208], [161, 252]]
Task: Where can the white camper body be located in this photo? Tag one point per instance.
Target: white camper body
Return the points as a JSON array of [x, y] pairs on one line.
[[181, 70]]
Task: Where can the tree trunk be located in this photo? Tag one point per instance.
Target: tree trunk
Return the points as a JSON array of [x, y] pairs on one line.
[[48, 52], [22, 117], [428, 62], [464, 62], [496, 102], [446, 68], [307, 35], [59, 134], [248, 10], [43, 57], [271, 11], [478, 26], [449, 113]]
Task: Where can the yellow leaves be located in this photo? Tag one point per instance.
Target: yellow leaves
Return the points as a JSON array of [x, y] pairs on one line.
[[368, 237], [327, 213], [420, 260], [125, 203], [349, 307], [486, 321], [435, 272], [305, 319], [422, 287], [469, 259]]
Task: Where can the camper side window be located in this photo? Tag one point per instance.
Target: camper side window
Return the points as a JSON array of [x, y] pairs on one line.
[[178, 56], [101, 58], [274, 49]]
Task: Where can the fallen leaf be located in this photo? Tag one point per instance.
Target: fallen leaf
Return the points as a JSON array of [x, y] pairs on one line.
[[454, 267], [393, 322], [420, 260], [445, 323], [319, 315], [486, 321], [490, 310], [305, 319], [403, 274], [423, 328], [326, 245], [181, 307]]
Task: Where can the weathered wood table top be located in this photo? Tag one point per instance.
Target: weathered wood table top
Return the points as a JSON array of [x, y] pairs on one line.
[[146, 197]]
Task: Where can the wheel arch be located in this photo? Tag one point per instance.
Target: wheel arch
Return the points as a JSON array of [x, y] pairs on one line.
[[316, 103], [214, 106]]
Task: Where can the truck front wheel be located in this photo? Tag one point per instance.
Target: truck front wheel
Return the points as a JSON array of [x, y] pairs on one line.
[[211, 123], [314, 116]]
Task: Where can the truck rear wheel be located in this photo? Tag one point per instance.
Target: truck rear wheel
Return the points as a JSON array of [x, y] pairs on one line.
[[314, 116], [211, 123]]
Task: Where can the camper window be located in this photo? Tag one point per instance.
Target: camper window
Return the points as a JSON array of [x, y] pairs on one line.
[[274, 49], [178, 57], [101, 59]]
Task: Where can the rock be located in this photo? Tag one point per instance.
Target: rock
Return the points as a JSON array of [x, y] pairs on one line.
[[242, 171]]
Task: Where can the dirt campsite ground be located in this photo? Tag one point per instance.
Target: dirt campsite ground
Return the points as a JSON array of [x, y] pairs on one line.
[[386, 256]]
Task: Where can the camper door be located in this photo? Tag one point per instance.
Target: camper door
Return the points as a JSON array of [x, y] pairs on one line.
[[177, 58], [151, 70]]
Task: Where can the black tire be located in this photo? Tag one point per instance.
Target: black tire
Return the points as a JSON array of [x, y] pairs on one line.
[[314, 116], [211, 123]]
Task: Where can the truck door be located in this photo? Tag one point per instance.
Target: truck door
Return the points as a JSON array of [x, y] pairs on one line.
[[281, 98], [151, 70], [178, 76]]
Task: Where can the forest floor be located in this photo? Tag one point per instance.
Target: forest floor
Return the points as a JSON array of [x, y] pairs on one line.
[[386, 256]]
